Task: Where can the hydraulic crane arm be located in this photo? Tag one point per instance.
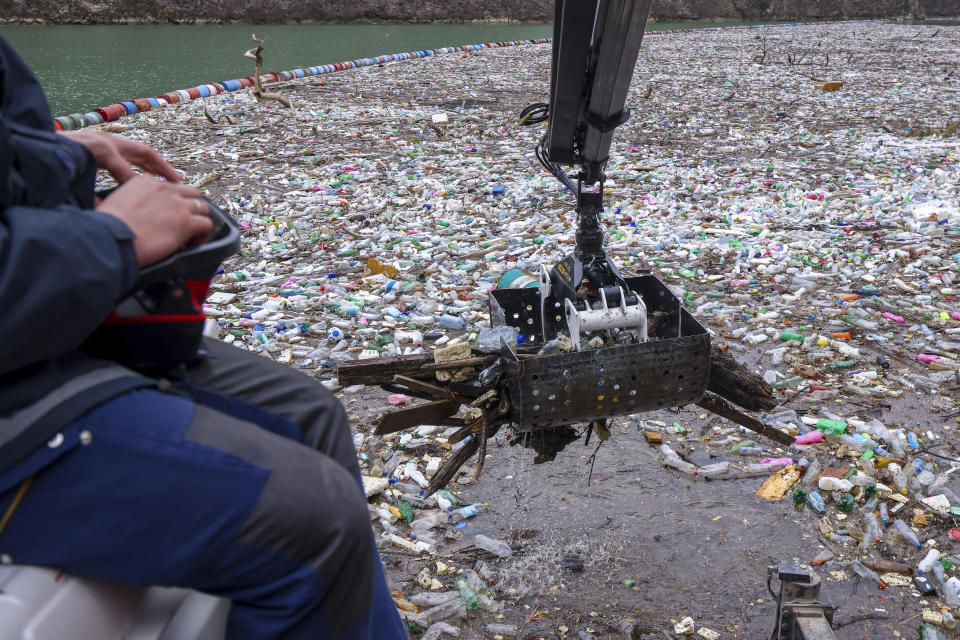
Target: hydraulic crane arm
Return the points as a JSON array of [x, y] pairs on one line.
[[595, 47]]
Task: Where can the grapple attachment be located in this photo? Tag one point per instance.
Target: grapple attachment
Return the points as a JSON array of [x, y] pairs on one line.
[[670, 367]]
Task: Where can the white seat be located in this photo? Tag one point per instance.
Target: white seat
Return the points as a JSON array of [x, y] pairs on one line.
[[43, 604]]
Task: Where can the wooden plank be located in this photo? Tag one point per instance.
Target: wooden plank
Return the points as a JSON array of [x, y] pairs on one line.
[[715, 404], [419, 385], [382, 370], [427, 413]]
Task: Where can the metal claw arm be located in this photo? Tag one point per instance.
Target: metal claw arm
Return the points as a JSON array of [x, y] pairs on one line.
[[595, 49]]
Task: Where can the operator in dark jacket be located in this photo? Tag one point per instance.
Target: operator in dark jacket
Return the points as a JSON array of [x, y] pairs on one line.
[[203, 482]]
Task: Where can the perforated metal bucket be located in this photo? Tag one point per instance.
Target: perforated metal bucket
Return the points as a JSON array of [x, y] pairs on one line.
[[670, 369]]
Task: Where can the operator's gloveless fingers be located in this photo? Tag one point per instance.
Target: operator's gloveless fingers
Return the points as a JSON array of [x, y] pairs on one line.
[[148, 159], [185, 190], [197, 225], [117, 166]]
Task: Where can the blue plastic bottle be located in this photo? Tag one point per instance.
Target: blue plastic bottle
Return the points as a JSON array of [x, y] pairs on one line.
[[912, 440], [815, 500], [451, 322]]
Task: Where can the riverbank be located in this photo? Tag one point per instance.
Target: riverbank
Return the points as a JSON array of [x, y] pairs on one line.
[[424, 11], [766, 202]]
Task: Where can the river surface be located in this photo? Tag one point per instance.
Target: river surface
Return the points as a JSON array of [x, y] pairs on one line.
[[82, 67]]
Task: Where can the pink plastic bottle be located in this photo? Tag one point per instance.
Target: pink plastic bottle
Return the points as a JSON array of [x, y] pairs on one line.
[[809, 438], [927, 357]]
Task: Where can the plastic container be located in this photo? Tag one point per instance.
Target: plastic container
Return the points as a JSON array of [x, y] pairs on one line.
[[907, 533], [927, 563], [834, 484], [867, 573], [813, 471], [897, 477], [815, 500], [518, 279], [671, 459], [494, 546]]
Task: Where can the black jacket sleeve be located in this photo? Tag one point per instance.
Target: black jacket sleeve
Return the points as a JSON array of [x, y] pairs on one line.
[[63, 266]]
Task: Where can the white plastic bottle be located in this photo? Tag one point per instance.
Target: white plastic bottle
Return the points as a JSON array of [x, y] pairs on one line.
[[834, 484], [907, 533], [899, 480], [469, 511], [715, 470], [928, 561], [496, 547], [672, 459]]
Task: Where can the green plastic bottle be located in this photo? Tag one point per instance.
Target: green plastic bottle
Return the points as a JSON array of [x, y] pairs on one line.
[[845, 503], [469, 596], [406, 510], [799, 499], [832, 427]]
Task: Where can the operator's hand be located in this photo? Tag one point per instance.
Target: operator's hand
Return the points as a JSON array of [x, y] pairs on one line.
[[163, 216], [116, 154]]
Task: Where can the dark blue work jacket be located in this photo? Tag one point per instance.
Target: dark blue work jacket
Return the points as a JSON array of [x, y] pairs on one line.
[[63, 265]]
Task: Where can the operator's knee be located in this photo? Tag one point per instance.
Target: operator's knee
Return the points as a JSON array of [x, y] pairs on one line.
[[318, 516], [310, 510], [324, 423]]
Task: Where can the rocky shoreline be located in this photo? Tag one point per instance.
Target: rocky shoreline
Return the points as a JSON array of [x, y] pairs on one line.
[[420, 11]]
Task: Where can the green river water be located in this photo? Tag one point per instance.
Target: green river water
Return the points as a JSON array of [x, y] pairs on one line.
[[82, 67]]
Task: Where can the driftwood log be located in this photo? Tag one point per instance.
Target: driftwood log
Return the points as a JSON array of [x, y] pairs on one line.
[[728, 378], [731, 380], [255, 54]]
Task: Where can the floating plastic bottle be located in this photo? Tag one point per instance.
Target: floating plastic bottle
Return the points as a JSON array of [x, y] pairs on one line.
[[496, 547], [451, 322], [912, 440], [811, 437], [872, 531], [433, 598], [507, 630], [769, 464], [812, 472], [439, 628], [492, 337], [867, 573], [887, 566], [469, 596], [907, 533], [715, 470], [469, 511], [428, 522], [898, 478], [815, 500], [951, 590], [928, 632], [928, 561], [827, 483], [672, 459], [441, 611]]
